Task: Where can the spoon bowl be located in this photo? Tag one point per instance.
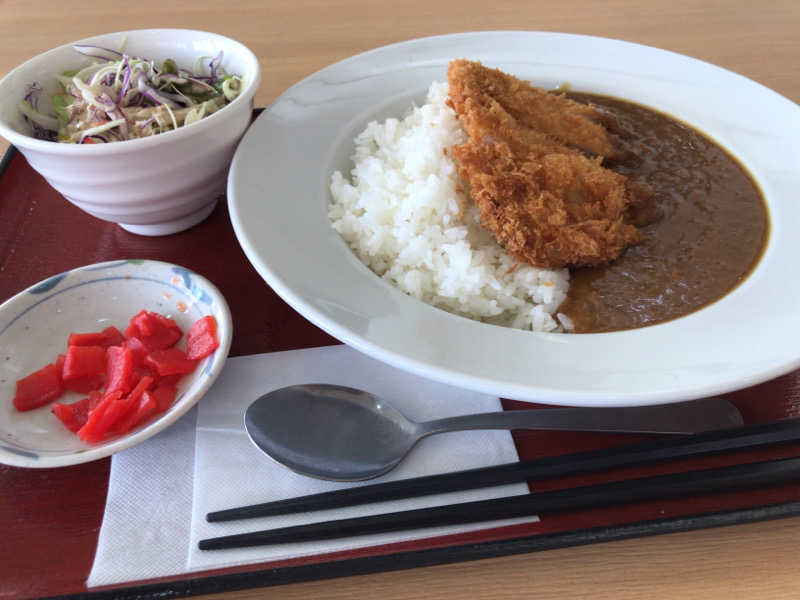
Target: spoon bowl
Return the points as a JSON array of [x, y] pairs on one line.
[[330, 432], [345, 434]]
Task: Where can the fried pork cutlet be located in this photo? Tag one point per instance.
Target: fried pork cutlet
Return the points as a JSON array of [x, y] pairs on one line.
[[544, 200]]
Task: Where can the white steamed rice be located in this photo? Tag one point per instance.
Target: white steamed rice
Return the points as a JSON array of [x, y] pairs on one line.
[[406, 217]]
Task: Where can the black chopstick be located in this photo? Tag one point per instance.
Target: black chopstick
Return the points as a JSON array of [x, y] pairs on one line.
[[672, 448], [659, 487]]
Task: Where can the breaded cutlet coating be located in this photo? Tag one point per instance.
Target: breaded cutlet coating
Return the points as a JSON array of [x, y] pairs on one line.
[[544, 201], [499, 102]]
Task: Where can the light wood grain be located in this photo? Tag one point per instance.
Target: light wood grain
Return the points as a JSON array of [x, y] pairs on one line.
[[746, 561], [294, 38]]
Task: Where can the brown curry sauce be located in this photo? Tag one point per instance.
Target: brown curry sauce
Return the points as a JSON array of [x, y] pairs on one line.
[[710, 235]]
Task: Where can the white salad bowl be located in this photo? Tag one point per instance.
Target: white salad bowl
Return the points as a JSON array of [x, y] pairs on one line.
[[150, 186], [35, 324]]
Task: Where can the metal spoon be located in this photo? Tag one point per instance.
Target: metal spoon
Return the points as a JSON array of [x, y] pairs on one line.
[[344, 434]]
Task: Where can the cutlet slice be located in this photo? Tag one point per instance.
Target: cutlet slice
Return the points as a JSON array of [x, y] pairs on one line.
[[544, 201], [554, 210], [495, 101]]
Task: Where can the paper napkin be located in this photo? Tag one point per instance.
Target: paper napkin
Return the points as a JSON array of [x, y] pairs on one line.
[[155, 517], [145, 530]]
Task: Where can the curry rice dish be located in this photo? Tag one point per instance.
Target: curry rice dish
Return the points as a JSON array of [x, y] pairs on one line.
[[652, 218]]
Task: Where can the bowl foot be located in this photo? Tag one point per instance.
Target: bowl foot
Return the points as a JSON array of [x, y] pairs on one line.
[[169, 227]]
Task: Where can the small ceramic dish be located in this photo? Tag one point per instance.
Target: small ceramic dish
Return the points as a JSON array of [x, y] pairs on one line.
[[153, 185], [35, 324]]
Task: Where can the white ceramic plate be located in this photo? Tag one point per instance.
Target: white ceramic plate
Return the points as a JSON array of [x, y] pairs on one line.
[[34, 326], [278, 192]]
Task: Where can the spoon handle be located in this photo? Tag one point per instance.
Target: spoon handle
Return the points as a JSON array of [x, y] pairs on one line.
[[685, 417]]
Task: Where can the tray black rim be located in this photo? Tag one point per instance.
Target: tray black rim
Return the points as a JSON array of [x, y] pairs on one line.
[[269, 577]]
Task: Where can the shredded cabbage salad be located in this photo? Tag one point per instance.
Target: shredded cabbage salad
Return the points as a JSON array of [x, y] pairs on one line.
[[122, 97]]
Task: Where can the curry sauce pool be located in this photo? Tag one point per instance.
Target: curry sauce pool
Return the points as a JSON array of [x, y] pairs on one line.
[[711, 234]]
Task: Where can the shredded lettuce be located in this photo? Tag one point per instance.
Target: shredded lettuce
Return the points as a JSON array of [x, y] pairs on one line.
[[61, 103], [119, 97]]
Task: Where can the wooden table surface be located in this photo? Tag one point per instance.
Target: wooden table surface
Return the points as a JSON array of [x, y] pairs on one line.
[[295, 38]]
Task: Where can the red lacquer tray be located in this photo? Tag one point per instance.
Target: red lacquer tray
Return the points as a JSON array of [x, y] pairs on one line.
[[51, 517]]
